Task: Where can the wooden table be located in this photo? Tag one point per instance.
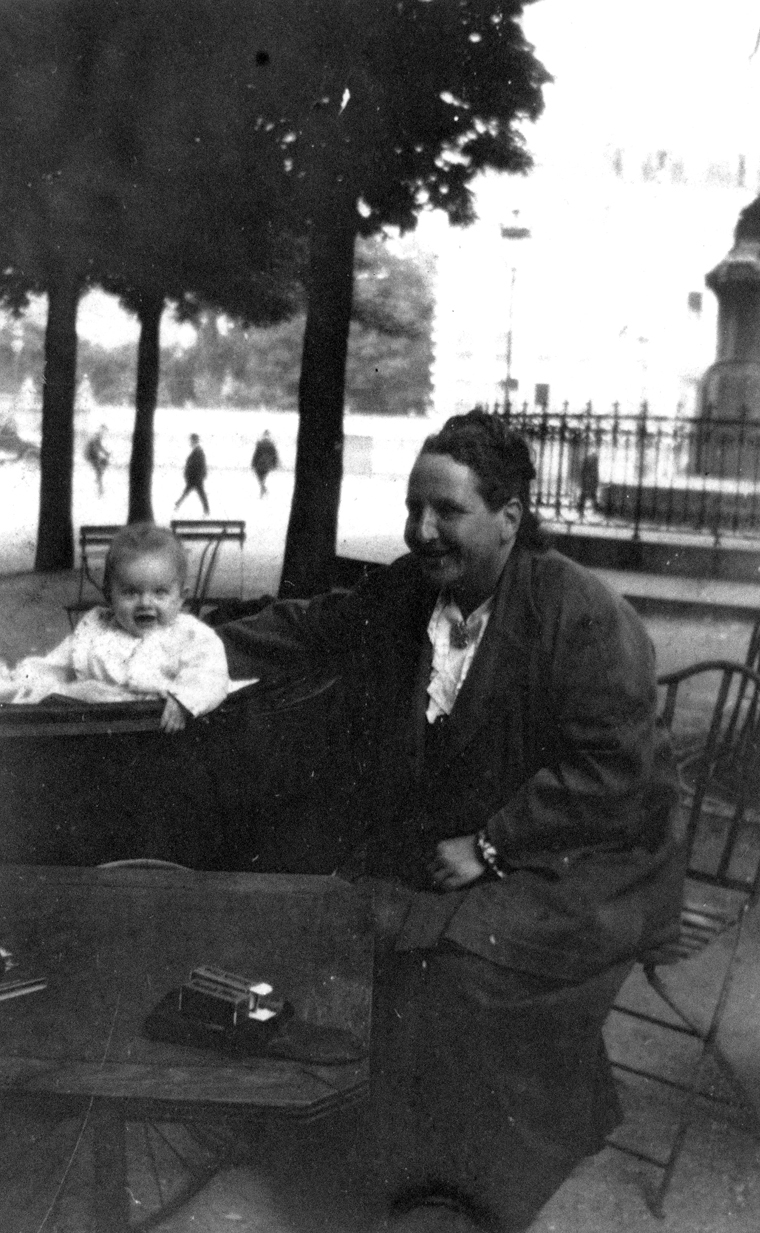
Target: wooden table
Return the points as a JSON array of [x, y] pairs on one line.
[[112, 942]]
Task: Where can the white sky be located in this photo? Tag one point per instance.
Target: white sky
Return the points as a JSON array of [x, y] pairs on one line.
[[101, 320], [661, 74]]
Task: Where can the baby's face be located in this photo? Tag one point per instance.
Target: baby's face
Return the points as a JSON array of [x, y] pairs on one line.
[[146, 593]]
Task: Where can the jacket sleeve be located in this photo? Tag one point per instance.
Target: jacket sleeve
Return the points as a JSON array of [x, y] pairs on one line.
[[291, 634], [329, 630], [594, 734]]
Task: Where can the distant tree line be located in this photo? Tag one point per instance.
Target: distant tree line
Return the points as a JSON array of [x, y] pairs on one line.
[[225, 156], [232, 364]]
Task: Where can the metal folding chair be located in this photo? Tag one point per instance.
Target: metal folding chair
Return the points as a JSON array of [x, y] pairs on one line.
[[752, 659], [211, 533], [712, 711], [94, 542]]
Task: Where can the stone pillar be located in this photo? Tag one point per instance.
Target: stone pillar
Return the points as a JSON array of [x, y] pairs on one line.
[[729, 401]]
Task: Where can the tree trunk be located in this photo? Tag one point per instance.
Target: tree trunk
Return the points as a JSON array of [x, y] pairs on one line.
[[55, 530], [141, 460], [310, 544]]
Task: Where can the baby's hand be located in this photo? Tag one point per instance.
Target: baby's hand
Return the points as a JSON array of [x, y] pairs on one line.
[[173, 717]]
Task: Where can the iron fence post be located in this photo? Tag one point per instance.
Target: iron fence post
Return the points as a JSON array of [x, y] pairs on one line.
[[644, 467], [641, 441]]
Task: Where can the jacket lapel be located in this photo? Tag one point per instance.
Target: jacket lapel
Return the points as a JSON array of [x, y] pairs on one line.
[[500, 663], [418, 716]]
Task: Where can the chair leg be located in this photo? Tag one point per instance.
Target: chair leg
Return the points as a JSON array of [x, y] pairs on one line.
[[656, 1199], [655, 1196]]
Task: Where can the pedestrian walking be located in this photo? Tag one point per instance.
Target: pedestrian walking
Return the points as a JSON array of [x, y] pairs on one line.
[[98, 456], [265, 459], [195, 473], [589, 483]]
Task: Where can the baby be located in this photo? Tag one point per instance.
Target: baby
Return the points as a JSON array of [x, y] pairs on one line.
[[142, 645]]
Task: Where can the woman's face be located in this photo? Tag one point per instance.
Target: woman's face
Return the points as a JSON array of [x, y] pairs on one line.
[[460, 543]]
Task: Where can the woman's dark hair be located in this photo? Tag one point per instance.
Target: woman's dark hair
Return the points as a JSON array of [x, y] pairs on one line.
[[140, 539], [500, 460]]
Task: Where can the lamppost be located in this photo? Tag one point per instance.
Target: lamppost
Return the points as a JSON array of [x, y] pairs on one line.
[[512, 232]]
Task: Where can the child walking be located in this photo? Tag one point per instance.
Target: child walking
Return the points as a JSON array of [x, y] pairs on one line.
[[142, 645]]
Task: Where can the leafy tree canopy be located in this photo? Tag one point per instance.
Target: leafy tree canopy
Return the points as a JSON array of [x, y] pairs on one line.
[[234, 364]]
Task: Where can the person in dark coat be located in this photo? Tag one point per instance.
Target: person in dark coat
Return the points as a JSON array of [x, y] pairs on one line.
[[98, 456], [516, 798], [195, 473], [588, 493], [265, 459]]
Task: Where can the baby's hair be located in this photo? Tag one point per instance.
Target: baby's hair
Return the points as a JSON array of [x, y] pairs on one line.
[[140, 539]]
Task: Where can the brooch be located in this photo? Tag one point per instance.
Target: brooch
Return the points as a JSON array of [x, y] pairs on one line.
[[459, 636]]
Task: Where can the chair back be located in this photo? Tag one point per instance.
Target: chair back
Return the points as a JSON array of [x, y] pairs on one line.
[[752, 659], [667, 1030], [211, 534], [712, 710], [94, 542]]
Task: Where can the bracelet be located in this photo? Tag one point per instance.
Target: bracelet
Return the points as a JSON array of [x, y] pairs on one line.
[[489, 855]]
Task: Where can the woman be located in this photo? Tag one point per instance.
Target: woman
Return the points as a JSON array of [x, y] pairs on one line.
[[516, 830]]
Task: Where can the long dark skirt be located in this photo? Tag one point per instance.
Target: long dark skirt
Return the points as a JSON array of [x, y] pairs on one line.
[[489, 1085]]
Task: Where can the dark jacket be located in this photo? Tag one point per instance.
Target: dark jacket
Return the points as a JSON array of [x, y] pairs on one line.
[[195, 466], [552, 747], [265, 457], [96, 453]]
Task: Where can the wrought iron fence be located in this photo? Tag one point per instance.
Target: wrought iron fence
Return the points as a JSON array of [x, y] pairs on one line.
[[641, 471]]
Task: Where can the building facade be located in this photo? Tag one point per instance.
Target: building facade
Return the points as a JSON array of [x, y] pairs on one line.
[[586, 283]]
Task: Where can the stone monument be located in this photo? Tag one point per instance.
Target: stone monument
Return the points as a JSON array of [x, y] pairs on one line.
[[728, 420]]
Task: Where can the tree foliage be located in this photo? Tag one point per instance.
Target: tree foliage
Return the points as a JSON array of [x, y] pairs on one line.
[[45, 233], [134, 157], [418, 96], [187, 151], [233, 364]]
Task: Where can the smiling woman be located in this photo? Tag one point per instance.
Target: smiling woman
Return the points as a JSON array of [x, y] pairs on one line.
[[459, 542], [463, 512], [499, 781]]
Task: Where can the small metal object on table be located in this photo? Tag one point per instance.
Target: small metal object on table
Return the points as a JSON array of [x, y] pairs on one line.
[[111, 943]]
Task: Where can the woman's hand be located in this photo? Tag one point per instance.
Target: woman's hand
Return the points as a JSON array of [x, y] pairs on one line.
[[456, 863]]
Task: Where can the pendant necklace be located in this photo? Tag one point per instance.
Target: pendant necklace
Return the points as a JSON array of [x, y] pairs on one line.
[[459, 635]]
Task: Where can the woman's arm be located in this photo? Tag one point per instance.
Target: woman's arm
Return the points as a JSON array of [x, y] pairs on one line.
[[293, 633], [599, 710]]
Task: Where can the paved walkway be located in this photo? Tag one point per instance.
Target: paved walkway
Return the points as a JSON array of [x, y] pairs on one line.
[[681, 594]]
